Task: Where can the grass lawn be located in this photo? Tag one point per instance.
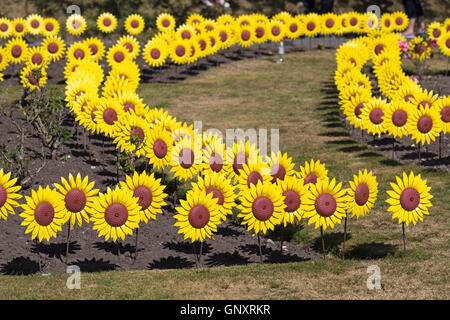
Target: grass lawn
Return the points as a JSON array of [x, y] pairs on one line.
[[298, 98]]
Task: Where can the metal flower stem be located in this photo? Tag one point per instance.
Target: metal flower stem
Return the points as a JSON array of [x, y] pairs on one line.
[[323, 242], [259, 246], [38, 254], [420, 158], [345, 235], [67, 242], [136, 245], [393, 149], [404, 239], [118, 250], [198, 255]]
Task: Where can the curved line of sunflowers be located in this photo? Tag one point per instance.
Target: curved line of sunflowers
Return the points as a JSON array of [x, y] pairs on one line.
[[198, 37], [271, 192], [404, 108]]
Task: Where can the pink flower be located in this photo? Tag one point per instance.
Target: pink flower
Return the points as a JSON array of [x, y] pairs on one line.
[[414, 78], [403, 45], [407, 56]]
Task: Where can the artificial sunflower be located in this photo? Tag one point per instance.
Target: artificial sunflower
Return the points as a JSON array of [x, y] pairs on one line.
[[85, 108], [444, 44], [250, 174], [106, 22], [204, 44], [293, 28], [186, 158], [396, 116], [261, 33], [131, 134], [76, 24], [149, 193], [246, 36], [185, 32], [5, 28], [243, 20], [434, 30], [131, 102], [353, 109], [97, 48], [37, 57], [165, 22], [19, 27], [208, 25], [195, 18], [312, 172], [159, 147], [134, 24], [225, 20], [116, 84], [400, 20], [239, 154], [78, 51], [424, 99], [78, 194], [280, 166], [373, 116], [407, 91], [35, 23], [442, 106], [198, 215], [325, 203], [180, 51], [17, 50], [115, 214], [419, 48], [55, 47], [362, 193], [107, 116], [353, 22], [51, 27], [276, 30], [409, 198], [43, 213], [220, 187], [293, 190], [155, 53], [8, 195], [131, 43], [387, 22], [214, 158], [33, 78], [424, 125], [329, 23], [262, 207], [4, 59], [117, 55]]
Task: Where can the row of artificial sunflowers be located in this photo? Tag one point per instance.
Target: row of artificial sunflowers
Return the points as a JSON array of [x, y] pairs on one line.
[[186, 43], [405, 109], [197, 38], [329, 23], [263, 204]]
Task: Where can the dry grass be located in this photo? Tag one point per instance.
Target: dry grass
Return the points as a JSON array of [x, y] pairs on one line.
[[291, 97]]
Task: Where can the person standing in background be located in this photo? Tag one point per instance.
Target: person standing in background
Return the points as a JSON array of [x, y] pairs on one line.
[[414, 11]]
